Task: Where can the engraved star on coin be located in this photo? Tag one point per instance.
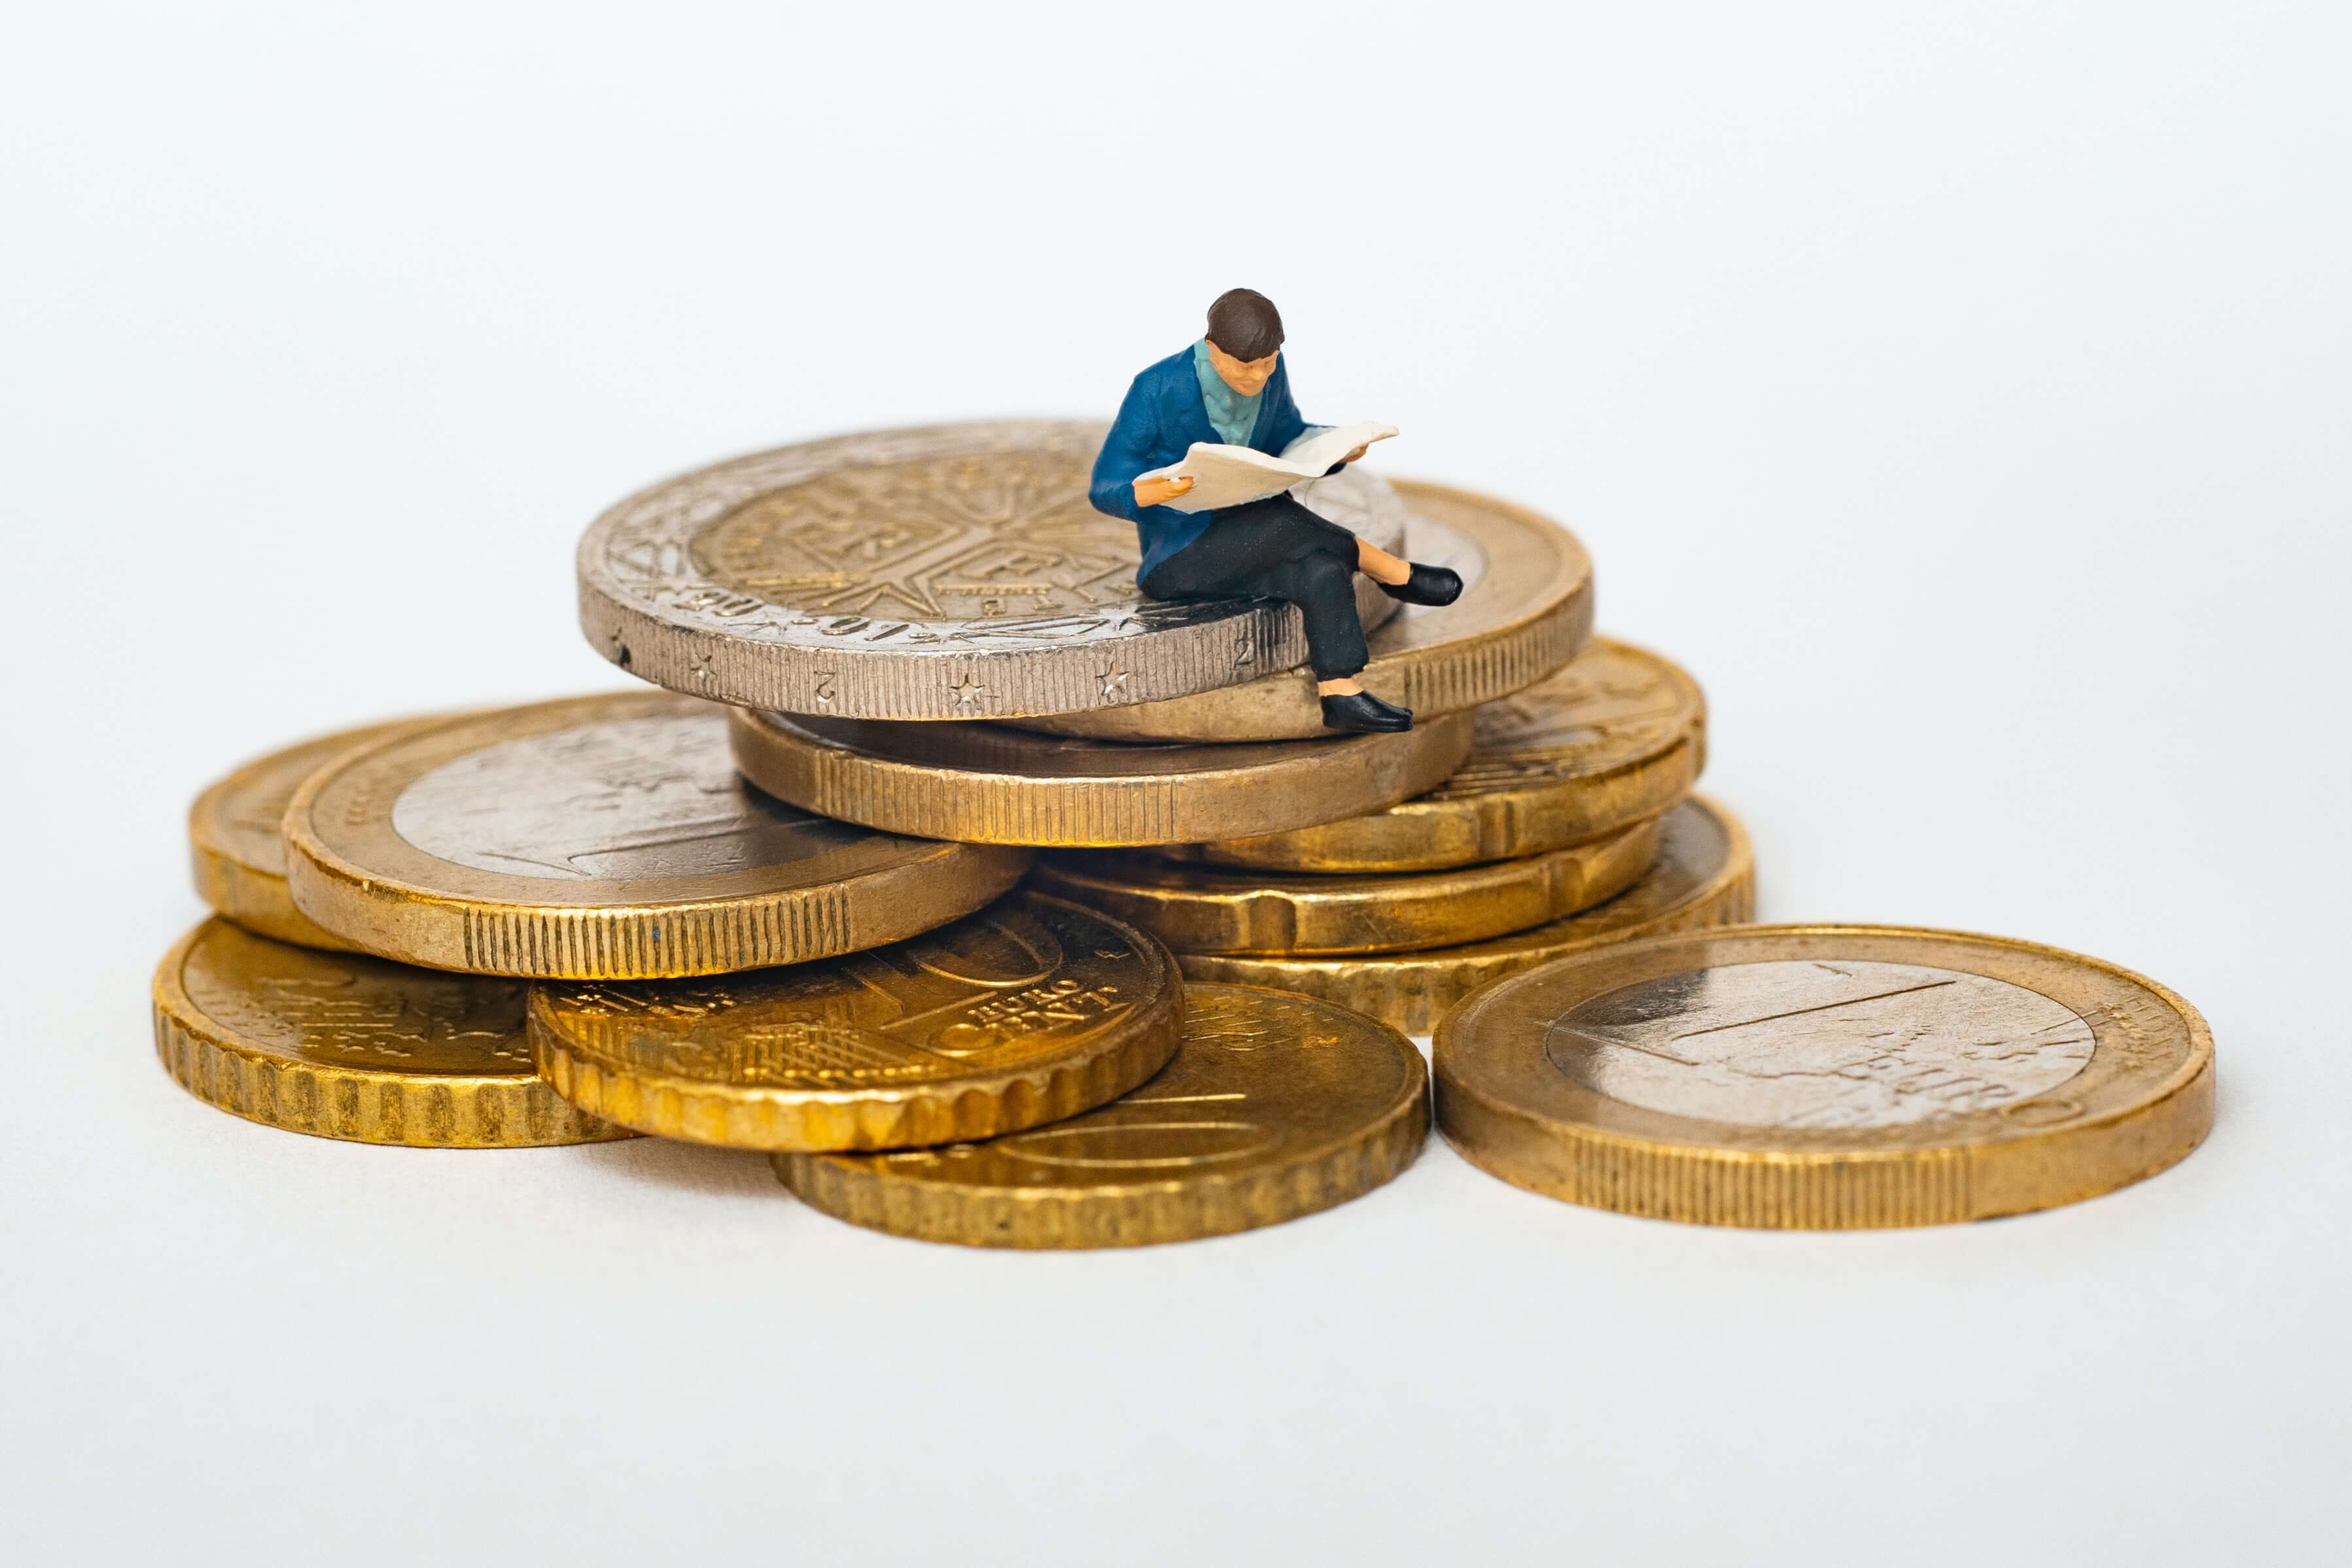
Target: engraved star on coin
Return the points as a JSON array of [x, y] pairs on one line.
[[1114, 682], [870, 554], [968, 693]]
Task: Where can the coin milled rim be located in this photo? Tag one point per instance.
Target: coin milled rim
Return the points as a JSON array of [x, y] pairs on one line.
[[1467, 823], [915, 779], [645, 608], [1538, 1129], [1212, 909], [353, 1104], [865, 1191], [253, 892], [980, 1105], [352, 873], [1527, 615], [1413, 990]]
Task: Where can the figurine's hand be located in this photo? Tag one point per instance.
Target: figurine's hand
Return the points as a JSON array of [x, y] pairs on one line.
[[1357, 455], [1153, 492]]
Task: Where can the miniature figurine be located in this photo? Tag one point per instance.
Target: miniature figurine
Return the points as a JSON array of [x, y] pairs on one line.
[[1231, 388]]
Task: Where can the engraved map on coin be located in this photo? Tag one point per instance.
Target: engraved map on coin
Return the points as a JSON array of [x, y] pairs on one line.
[[351, 1012], [956, 538], [971, 534], [616, 801], [1817, 1045], [1257, 1074], [1013, 982]]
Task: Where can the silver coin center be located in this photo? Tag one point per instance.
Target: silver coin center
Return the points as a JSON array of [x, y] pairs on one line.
[[1820, 1045], [620, 800]]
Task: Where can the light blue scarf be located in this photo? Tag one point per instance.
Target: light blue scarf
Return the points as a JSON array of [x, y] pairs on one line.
[[1231, 415]]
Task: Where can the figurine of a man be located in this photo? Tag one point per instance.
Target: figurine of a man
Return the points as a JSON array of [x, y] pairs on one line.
[[1232, 387]]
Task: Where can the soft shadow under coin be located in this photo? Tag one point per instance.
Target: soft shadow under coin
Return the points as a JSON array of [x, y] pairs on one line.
[[691, 1167]]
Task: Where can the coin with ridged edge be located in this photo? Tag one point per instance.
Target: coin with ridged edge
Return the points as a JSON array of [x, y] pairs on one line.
[[339, 1045], [1030, 1012], [1704, 876], [1209, 909], [954, 571], [602, 838], [1616, 737], [1273, 1107], [1526, 608], [236, 850], [991, 784], [1825, 1078]]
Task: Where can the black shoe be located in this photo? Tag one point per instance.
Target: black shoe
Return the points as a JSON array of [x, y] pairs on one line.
[[1360, 713], [1427, 585]]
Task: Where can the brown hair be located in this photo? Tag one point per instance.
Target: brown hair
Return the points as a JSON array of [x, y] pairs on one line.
[[1245, 324]]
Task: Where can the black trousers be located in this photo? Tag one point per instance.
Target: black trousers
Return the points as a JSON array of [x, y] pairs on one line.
[[1276, 548]]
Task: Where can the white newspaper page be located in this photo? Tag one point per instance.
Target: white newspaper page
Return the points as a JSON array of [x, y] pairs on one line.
[[1228, 476]]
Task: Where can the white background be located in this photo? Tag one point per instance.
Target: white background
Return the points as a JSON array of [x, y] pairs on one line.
[[1960, 392]]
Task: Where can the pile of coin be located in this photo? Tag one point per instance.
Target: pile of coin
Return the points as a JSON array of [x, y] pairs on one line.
[[998, 905]]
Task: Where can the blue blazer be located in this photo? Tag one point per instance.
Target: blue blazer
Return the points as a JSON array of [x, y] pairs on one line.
[[1163, 417]]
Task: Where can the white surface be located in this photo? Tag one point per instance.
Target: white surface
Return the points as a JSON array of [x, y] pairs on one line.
[[1960, 392]]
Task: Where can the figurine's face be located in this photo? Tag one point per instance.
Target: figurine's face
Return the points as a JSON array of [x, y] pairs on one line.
[[1248, 377]]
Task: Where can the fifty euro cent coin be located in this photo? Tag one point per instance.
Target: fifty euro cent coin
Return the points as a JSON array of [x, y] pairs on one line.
[[1209, 909], [1616, 737], [992, 784], [1704, 876], [344, 1046], [1030, 1012], [1526, 608], [1824, 1077], [601, 836], [1275, 1106], [956, 571], [236, 851]]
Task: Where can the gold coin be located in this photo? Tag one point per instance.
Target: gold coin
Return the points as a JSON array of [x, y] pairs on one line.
[[1825, 1078], [1207, 909], [1029, 1011], [236, 851], [1616, 737], [602, 838], [342, 1046], [1704, 876], [982, 783], [1526, 608], [1273, 1107]]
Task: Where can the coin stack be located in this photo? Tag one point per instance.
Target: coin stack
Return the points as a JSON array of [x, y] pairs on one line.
[[795, 903]]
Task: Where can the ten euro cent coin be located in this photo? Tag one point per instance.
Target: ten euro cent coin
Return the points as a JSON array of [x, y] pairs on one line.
[[1273, 1107], [1824, 1077], [1616, 737], [1030, 1012], [344, 1046], [1704, 876], [601, 836], [1209, 909], [236, 850], [957, 571]]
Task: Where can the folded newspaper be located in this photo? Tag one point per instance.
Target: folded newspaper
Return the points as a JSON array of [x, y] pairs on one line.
[[1229, 475]]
